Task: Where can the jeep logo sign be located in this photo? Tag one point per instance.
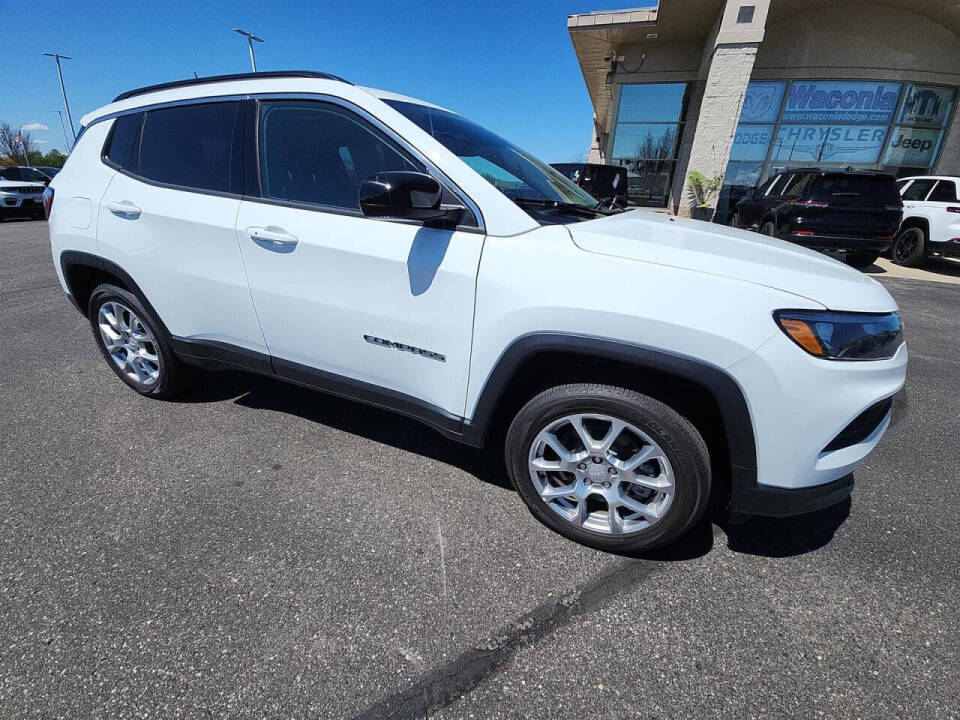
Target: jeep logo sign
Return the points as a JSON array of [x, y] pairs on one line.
[[911, 146], [841, 101]]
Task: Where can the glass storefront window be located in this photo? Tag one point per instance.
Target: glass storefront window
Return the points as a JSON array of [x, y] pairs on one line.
[[865, 124], [829, 143], [645, 139]]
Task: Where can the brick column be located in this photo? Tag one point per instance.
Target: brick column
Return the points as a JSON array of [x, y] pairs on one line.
[[724, 74], [726, 85]]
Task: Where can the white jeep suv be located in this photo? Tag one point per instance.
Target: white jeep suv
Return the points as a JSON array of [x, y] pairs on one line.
[[385, 249], [931, 219]]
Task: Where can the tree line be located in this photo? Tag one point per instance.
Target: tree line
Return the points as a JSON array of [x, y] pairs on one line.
[[12, 152]]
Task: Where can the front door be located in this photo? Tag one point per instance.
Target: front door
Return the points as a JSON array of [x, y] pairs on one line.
[[347, 301]]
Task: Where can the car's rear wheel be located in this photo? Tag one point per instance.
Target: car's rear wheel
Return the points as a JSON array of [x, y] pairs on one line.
[[861, 258], [768, 228], [134, 344], [908, 248], [608, 467]]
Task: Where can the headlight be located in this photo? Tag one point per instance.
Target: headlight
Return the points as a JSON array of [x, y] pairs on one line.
[[843, 335]]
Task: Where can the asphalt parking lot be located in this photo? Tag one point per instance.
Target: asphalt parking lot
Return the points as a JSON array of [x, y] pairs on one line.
[[256, 550]]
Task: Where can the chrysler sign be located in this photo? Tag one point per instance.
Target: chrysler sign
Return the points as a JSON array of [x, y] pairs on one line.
[[841, 101]]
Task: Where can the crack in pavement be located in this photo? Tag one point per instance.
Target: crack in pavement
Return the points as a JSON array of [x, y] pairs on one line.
[[450, 681]]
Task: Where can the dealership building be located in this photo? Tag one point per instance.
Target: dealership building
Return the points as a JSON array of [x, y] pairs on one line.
[[749, 87]]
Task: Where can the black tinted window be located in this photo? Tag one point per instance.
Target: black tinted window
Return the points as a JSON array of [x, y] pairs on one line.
[[10, 174], [945, 191], [122, 142], [318, 153], [794, 186], [192, 146], [880, 188], [918, 189]]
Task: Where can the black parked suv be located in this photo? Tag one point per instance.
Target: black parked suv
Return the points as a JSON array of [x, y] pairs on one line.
[[607, 183], [856, 212]]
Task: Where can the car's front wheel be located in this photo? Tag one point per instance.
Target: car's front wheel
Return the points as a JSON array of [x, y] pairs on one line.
[[608, 467], [133, 343]]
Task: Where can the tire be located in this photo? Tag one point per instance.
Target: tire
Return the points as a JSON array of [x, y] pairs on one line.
[[908, 249], [736, 221], [154, 371], [768, 228], [679, 456], [861, 258]]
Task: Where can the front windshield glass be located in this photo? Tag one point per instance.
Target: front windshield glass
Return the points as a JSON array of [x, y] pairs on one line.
[[515, 173]]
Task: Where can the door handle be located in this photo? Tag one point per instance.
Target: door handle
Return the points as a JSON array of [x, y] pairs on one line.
[[272, 238], [124, 208]]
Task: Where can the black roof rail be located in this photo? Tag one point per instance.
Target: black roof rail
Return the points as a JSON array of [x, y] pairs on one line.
[[229, 78]]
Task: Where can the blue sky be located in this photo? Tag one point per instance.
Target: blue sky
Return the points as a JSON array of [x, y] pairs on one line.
[[509, 65]]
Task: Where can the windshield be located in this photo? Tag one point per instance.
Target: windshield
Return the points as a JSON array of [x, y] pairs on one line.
[[515, 173]]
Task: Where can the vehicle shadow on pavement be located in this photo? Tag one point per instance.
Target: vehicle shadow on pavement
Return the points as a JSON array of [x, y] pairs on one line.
[[785, 537], [264, 393], [767, 537]]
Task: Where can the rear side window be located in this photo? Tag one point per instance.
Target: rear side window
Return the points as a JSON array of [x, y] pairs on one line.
[[945, 191], [121, 146], [192, 146], [849, 186], [319, 153], [768, 189], [918, 189], [795, 185]]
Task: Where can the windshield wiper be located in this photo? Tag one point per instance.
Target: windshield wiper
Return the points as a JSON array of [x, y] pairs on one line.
[[559, 205]]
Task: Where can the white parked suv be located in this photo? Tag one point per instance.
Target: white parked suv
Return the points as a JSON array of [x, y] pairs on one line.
[[19, 198], [931, 219], [381, 248]]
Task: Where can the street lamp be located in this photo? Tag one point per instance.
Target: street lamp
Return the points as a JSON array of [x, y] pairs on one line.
[[251, 38], [66, 140], [58, 57]]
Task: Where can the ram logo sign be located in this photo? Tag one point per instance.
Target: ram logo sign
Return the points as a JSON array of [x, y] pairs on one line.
[[857, 102], [925, 105]]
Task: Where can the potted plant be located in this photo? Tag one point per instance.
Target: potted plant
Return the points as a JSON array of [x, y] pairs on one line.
[[702, 191]]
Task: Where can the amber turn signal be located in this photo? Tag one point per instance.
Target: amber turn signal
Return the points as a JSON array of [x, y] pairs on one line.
[[802, 334]]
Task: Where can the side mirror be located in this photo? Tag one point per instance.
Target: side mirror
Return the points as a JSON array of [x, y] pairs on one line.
[[406, 195]]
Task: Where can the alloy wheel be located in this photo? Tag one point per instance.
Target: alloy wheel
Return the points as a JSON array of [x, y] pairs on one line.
[[601, 473], [129, 343]]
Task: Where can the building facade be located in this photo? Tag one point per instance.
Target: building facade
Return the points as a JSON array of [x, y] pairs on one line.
[[749, 87]]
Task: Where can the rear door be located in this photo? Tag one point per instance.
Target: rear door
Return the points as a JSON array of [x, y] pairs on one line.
[[854, 205], [168, 219], [943, 210], [368, 307]]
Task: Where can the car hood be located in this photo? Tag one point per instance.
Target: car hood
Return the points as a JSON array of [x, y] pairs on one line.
[[737, 254], [20, 183]]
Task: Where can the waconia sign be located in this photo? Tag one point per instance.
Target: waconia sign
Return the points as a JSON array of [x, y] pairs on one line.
[[831, 101]]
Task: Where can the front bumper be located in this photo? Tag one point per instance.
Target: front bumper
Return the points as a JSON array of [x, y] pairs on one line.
[[841, 242], [814, 422], [11, 205]]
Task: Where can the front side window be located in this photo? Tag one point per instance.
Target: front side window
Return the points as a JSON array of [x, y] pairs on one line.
[[319, 153], [517, 174], [192, 146]]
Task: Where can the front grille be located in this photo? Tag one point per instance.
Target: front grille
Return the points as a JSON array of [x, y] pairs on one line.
[[862, 426], [25, 190]]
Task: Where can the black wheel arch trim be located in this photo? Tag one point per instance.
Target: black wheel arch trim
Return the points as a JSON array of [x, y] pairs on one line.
[[724, 389], [70, 259]]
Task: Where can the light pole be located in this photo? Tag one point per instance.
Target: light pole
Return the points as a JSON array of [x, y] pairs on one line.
[[66, 140], [251, 39], [57, 57]]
